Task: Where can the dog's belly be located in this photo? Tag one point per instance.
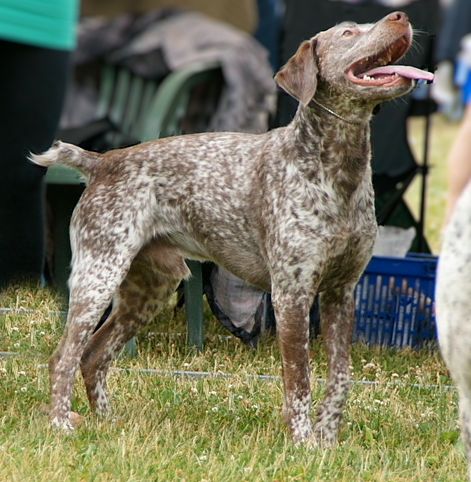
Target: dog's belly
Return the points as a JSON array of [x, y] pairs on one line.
[[244, 261], [190, 247]]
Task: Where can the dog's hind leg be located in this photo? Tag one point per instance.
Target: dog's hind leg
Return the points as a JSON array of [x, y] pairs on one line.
[[337, 309], [153, 277], [91, 291], [100, 262], [464, 391], [454, 330]]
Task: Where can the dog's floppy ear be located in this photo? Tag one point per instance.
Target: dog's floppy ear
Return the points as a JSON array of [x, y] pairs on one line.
[[298, 77]]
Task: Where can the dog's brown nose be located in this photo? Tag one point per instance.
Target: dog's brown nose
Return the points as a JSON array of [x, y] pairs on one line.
[[400, 17]]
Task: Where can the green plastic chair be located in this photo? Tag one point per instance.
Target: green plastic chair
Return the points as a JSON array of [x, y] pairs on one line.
[[143, 110]]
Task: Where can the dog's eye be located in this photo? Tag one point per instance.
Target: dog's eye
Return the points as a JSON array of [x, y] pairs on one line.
[[347, 33]]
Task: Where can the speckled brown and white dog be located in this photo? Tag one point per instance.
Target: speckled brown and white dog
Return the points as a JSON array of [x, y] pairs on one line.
[[453, 295], [290, 211]]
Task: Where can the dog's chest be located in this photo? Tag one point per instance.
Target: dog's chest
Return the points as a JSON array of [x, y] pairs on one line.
[[344, 231], [346, 257], [350, 234]]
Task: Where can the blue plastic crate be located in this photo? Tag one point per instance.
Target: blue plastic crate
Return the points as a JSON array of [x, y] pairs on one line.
[[395, 302]]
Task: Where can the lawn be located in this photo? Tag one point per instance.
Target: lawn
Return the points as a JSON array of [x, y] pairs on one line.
[[400, 423]]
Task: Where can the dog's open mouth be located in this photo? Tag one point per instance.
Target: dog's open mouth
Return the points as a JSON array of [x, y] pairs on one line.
[[379, 70]]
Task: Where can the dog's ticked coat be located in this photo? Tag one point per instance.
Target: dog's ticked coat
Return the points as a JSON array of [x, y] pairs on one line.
[[453, 294], [290, 211]]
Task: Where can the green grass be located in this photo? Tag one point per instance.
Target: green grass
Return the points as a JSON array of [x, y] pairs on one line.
[[401, 427]]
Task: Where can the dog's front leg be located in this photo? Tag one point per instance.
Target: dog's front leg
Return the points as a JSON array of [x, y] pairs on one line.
[[292, 315], [337, 310]]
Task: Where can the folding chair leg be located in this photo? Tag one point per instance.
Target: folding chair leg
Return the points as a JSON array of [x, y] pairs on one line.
[[130, 349], [193, 289]]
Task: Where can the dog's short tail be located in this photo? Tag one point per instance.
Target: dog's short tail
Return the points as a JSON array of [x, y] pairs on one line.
[[69, 155]]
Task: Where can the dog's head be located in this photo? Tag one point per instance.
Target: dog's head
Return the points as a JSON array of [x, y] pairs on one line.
[[354, 60]]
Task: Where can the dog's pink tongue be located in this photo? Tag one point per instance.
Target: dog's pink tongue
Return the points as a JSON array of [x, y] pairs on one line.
[[403, 71]]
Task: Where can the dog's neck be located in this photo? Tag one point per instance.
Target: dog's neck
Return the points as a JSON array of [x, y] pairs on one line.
[[315, 104], [342, 108], [341, 124], [342, 148]]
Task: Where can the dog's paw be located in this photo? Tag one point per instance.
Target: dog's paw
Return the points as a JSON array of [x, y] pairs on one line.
[[76, 419], [67, 424], [62, 424], [316, 440], [324, 437], [301, 431]]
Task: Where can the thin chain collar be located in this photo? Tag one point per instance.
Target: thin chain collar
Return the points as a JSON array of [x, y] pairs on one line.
[[314, 102]]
